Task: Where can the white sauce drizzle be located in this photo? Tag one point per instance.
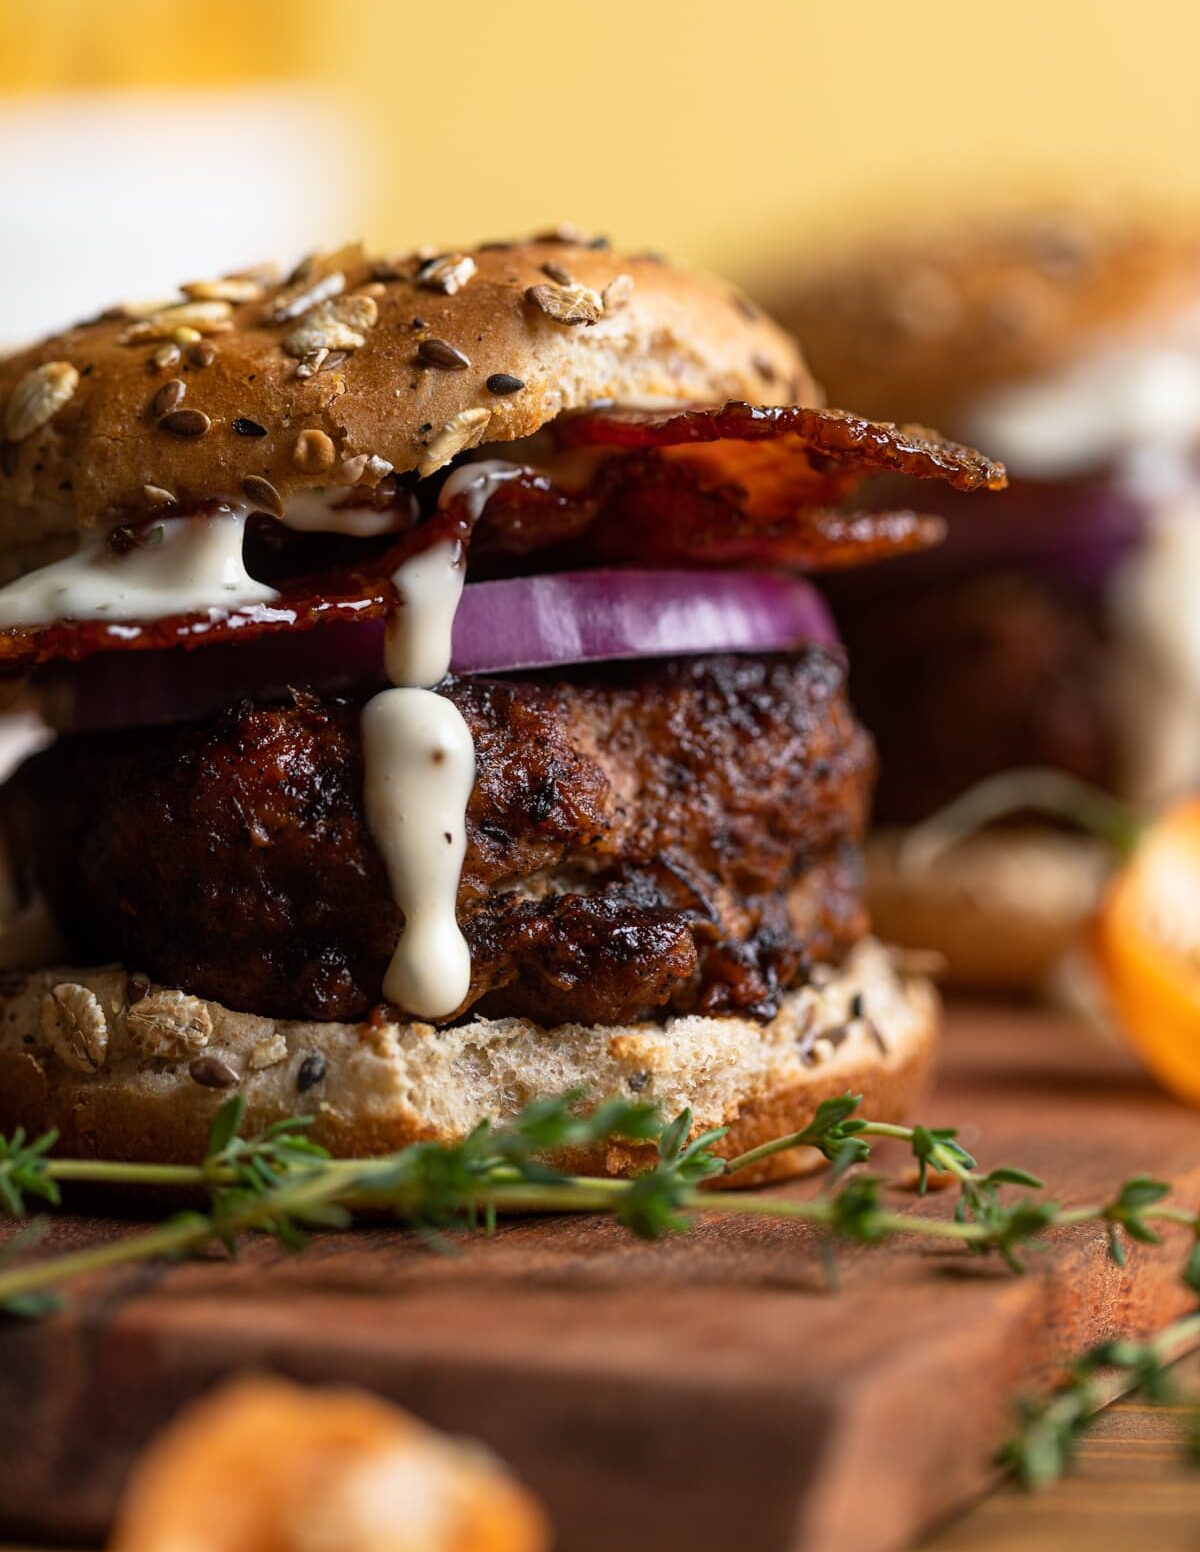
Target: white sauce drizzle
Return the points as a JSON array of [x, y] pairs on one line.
[[319, 511], [195, 564], [420, 628], [420, 768], [1156, 604], [420, 765], [478, 481]]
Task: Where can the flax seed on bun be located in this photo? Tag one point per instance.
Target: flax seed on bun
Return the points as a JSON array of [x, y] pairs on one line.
[[354, 365]]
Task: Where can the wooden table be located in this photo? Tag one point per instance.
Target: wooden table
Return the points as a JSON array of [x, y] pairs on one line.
[[1132, 1488], [587, 1359]]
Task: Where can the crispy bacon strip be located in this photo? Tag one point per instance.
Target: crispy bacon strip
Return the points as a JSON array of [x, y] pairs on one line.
[[735, 485], [738, 485], [828, 438], [659, 509], [343, 593], [361, 594]]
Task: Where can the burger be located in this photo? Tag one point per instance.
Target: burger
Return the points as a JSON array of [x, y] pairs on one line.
[[1056, 626], [443, 717]]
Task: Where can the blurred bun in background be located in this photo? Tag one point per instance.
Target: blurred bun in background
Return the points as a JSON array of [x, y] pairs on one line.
[[1057, 626]]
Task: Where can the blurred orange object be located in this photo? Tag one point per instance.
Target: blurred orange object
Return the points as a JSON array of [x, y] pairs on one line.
[[1147, 948], [261, 1465]]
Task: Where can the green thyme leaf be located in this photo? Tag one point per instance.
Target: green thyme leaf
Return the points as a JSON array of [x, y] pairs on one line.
[[1007, 1176], [226, 1124], [1191, 1272], [36, 1305], [1127, 1212], [24, 1171], [857, 1209]]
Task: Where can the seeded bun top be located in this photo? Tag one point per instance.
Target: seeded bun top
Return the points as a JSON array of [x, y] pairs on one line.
[[907, 331], [354, 365]]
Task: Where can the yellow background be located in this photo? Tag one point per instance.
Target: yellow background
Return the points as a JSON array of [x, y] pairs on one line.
[[727, 132]]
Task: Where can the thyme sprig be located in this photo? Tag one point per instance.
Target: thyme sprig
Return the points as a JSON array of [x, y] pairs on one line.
[[25, 1171], [1036, 789], [283, 1184], [1051, 1428], [844, 1138]]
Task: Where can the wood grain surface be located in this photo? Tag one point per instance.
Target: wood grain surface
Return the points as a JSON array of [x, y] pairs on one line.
[[1132, 1486], [707, 1392]]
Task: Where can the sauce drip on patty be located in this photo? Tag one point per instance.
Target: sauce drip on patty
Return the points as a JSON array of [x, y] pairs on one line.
[[420, 769]]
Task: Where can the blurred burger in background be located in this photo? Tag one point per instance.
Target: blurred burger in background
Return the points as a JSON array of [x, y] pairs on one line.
[[1057, 627]]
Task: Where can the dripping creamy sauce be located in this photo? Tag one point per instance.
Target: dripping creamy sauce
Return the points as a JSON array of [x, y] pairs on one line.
[[191, 564], [323, 511], [419, 760], [1109, 406], [184, 566], [194, 564], [420, 768]]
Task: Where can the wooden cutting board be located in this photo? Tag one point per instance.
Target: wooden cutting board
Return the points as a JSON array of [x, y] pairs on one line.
[[706, 1393]]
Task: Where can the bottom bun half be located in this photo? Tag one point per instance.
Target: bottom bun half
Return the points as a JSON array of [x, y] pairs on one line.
[[1004, 909], [129, 1071]]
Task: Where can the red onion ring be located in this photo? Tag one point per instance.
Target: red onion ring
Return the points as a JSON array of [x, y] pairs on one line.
[[1072, 532], [592, 616], [503, 626]]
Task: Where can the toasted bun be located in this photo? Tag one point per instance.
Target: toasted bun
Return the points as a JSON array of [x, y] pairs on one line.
[[86, 433], [1003, 908], [906, 331], [375, 1087]]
